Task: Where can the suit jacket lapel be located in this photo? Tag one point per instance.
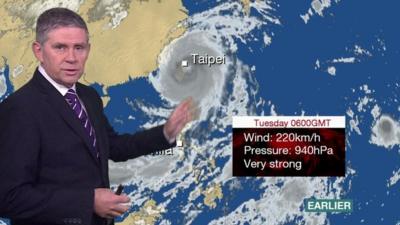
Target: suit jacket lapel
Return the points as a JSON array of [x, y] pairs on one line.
[[96, 123], [93, 117], [57, 101]]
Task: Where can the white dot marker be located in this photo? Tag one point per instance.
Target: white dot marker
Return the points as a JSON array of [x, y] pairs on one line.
[[185, 63], [179, 143]]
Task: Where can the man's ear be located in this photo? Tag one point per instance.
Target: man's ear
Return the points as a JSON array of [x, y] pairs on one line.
[[37, 51]]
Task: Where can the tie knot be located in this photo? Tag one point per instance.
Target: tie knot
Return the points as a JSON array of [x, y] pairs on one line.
[[71, 96], [72, 91]]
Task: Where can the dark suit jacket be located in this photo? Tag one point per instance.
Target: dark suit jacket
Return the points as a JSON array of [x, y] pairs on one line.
[[47, 171]]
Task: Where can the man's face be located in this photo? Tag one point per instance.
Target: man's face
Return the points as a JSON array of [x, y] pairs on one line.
[[63, 55]]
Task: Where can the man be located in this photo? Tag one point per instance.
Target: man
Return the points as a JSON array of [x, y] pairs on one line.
[[56, 141]]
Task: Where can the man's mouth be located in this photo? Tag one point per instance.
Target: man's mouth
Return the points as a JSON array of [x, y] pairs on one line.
[[70, 71]]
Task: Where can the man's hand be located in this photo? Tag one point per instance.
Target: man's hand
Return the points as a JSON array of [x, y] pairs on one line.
[[109, 205], [185, 112]]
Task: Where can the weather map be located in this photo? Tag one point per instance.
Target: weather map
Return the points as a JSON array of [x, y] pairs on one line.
[[236, 58]]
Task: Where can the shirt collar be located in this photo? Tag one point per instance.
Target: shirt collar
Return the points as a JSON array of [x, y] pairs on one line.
[[60, 88]]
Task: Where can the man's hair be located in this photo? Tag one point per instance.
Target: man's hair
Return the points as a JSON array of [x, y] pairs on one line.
[[55, 18]]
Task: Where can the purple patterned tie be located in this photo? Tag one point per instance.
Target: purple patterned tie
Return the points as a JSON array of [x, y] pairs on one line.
[[73, 101]]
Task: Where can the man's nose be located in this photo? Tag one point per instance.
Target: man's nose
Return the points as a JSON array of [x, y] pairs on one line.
[[70, 57]]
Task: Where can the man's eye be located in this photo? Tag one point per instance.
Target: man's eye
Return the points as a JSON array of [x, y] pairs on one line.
[[79, 47], [60, 47]]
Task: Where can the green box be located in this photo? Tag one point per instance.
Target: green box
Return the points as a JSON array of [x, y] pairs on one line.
[[328, 205]]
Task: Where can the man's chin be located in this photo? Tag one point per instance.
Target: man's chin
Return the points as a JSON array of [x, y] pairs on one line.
[[69, 81]]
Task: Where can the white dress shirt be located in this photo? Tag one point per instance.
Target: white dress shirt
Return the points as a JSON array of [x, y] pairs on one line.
[[60, 88]]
